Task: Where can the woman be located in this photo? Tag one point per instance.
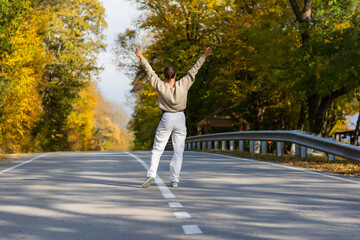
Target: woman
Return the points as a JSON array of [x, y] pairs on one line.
[[172, 97]]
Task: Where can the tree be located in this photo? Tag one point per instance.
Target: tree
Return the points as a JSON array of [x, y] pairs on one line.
[[254, 46], [179, 31], [22, 59], [326, 64], [74, 39], [278, 65], [110, 125], [48, 98]]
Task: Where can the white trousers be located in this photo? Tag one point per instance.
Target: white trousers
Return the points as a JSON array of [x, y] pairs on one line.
[[170, 124]]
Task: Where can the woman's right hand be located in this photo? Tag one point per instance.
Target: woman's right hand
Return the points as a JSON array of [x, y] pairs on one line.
[[138, 52], [208, 52]]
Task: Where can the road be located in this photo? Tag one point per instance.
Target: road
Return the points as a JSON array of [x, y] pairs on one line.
[[98, 195]]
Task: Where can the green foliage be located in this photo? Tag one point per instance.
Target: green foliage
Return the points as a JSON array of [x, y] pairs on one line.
[[276, 69], [325, 67], [73, 39]]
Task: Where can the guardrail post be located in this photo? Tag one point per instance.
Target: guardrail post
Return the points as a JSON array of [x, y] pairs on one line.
[[203, 145], [198, 145], [209, 144], [292, 149], [257, 146], [232, 145], [216, 145], [279, 149], [251, 147], [264, 147], [241, 145], [303, 152], [300, 143], [297, 150], [303, 149], [331, 157], [223, 145]]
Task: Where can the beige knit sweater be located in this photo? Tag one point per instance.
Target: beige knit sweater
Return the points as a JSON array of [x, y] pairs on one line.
[[172, 99]]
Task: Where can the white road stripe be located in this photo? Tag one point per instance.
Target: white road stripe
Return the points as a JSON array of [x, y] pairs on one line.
[[182, 215], [288, 167], [175, 205], [163, 188], [159, 182], [23, 163], [191, 229]]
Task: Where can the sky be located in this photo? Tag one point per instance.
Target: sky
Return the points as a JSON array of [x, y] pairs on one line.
[[113, 84]]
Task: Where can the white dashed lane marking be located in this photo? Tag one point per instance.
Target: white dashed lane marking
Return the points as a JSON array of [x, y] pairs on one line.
[[159, 182], [188, 229], [175, 205], [182, 215], [163, 188], [191, 229]]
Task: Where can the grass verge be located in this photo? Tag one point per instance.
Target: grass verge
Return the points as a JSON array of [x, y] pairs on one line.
[[338, 166]]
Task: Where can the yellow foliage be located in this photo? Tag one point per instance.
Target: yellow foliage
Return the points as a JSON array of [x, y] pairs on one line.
[[80, 122], [341, 125], [93, 125], [23, 69]]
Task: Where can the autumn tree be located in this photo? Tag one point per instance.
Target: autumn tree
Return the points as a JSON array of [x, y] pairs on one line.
[[96, 123], [22, 60], [74, 38], [254, 46], [178, 32], [278, 64], [110, 120], [326, 63], [48, 95]]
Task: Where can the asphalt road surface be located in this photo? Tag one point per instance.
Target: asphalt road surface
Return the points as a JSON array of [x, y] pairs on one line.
[[98, 195]]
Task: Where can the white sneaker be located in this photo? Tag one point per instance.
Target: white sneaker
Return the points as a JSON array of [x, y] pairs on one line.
[[148, 181], [174, 184]]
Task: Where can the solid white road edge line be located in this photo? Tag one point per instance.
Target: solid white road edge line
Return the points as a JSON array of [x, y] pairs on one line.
[[288, 167], [23, 163], [161, 185]]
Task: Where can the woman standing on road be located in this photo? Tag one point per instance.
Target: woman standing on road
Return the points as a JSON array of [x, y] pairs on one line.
[[172, 97]]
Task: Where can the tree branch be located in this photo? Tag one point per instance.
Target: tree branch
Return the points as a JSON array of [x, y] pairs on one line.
[[306, 12], [295, 7], [338, 93]]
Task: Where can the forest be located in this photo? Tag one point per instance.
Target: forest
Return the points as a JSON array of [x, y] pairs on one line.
[[49, 99], [278, 65]]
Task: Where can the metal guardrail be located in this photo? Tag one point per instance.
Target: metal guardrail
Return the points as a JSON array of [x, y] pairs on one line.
[[301, 139]]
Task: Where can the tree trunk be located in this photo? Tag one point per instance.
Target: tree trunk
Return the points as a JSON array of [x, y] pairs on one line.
[[258, 111], [325, 104], [357, 131], [302, 116], [313, 106], [303, 17], [331, 118], [318, 107]]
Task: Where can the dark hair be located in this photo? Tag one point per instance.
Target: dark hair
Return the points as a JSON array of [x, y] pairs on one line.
[[169, 72]]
